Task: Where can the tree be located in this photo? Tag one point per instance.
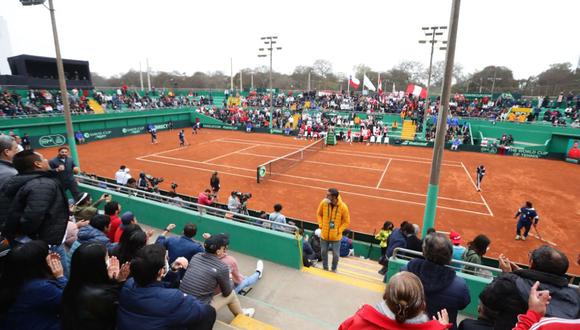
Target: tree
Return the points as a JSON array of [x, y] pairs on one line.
[[560, 77], [415, 70], [322, 67]]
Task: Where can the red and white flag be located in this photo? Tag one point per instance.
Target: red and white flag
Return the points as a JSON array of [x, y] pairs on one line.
[[354, 82], [417, 90], [380, 85]]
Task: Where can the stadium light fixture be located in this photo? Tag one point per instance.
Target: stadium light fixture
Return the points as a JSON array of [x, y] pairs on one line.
[[432, 34], [61, 78], [270, 41]]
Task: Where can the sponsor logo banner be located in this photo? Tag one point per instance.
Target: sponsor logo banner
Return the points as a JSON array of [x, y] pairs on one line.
[[53, 140]]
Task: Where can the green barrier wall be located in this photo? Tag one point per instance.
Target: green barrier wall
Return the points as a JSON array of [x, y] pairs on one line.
[[250, 240], [51, 131], [475, 284]]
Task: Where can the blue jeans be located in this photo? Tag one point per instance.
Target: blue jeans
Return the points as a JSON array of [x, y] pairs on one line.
[[524, 224], [335, 247], [248, 281]]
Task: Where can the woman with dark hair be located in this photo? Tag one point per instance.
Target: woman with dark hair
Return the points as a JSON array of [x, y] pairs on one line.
[[31, 288], [90, 299], [403, 307], [476, 249], [132, 239]]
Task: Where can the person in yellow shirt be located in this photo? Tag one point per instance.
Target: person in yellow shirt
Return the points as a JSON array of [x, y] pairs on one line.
[[333, 218]]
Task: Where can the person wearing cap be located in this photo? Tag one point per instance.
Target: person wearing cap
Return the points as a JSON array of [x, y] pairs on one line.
[[458, 250], [84, 209], [126, 219], [333, 218], [206, 272], [122, 175]]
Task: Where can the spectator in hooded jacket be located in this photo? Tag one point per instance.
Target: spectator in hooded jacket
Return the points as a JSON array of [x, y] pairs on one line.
[[91, 296], [8, 148], [31, 288], [506, 293], [146, 304], [84, 209], [314, 242], [403, 307], [333, 218], [96, 231], [443, 288], [395, 240], [33, 204]]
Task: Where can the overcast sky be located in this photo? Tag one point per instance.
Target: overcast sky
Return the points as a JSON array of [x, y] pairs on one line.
[[115, 35]]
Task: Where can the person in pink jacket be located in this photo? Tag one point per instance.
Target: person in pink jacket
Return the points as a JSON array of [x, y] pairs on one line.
[[403, 307]]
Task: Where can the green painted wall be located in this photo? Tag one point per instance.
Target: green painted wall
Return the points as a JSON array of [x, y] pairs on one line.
[[255, 241]]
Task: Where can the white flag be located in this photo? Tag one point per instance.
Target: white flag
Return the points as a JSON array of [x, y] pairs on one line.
[[368, 84]]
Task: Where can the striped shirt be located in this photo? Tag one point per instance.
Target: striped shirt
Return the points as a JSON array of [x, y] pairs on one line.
[[204, 275]]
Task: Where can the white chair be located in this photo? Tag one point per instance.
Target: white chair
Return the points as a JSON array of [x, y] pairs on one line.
[[373, 139]]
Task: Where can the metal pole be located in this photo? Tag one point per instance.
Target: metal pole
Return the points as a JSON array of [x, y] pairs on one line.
[[271, 94], [252, 81], [148, 76], [430, 64], [480, 84], [241, 82], [63, 92], [309, 81], [433, 189], [141, 76], [493, 83]]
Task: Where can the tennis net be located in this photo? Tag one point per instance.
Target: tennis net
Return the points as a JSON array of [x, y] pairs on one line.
[[285, 162]]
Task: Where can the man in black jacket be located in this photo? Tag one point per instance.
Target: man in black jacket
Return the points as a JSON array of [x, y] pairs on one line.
[[66, 169], [508, 294], [33, 205]]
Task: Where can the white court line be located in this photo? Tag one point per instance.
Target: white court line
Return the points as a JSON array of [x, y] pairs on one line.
[[317, 188], [475, 186], [163, 152], [319, 180], [345, 152], [314, 162], [366, 155], [384, 172], [228, 154]]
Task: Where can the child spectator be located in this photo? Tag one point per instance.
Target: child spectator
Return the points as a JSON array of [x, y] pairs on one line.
[[382, 237], [346, 248], [458, 250]]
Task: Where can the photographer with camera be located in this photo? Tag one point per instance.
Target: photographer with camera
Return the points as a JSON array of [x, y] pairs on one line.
[[238, 202], [205, 198]]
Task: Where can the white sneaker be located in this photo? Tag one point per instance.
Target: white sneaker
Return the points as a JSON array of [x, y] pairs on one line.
[[260, 268], [249, 312], [518, 237], [523, 238]]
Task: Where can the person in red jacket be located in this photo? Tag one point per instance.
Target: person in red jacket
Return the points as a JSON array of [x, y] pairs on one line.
[[574, 152], [404, 307], [537, 305]]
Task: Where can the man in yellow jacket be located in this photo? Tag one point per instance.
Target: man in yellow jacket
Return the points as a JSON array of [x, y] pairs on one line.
[[333, 218]]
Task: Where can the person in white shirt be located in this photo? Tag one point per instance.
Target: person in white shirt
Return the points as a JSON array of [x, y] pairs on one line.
[[122, 175], [278, 217]]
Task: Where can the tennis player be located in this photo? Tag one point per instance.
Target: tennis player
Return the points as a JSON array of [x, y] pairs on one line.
[[527, 214], [480, 175]]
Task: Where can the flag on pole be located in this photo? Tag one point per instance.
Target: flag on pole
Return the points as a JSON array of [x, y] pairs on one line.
[[368, 84], [417, 90], [380, 85], [352, 81]]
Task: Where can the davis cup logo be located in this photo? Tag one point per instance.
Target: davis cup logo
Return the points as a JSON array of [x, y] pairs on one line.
[[87, 135], [124, 130], [262, 171]]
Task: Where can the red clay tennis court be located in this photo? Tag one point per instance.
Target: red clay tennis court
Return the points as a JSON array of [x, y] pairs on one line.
[[377, 182]]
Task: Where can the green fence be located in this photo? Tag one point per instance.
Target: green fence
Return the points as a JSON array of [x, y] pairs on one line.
[[251, 240]]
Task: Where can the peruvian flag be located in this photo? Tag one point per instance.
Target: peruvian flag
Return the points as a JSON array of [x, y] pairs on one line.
[[417, 90], [380, 85], [354, 82]]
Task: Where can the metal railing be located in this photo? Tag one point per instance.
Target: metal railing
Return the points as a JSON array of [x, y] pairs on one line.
[[202, 209], [459, 265]]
